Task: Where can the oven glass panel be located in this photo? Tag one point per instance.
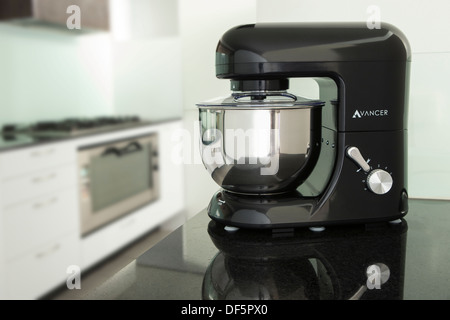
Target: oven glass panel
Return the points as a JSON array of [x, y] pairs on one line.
[[118, 174]]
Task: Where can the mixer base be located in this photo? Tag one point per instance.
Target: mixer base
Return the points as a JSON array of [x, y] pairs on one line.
[[288, 210], [272, 211]]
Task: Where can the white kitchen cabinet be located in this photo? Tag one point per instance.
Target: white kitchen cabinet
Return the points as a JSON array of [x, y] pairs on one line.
[[33, 159], [39, 183], [42, 269], [39, 219]]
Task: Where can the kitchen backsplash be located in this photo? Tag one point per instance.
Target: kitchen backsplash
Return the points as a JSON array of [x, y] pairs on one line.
[[50, 72]]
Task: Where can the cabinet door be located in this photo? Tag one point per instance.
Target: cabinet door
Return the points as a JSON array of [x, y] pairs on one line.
[[35, 222], [42, 270], [29, 160], [25, 187]]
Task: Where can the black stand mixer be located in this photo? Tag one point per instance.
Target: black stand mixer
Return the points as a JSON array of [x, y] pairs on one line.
[[285, 161]]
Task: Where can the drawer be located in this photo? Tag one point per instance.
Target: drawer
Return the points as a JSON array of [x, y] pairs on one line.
[[33, 223], [18, 189], [42, 270], [110, 238], [19, 162]]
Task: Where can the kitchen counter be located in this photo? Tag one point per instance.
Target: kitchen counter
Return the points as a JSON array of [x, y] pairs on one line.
[[407, 260], [13, 141], [8, 142]]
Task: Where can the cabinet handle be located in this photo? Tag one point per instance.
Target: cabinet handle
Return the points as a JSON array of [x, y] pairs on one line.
[[46, 152], [39, 153], [39, 205], [49, 251], [40, 179]]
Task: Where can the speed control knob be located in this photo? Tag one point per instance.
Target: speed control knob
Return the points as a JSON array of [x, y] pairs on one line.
[[379, 181]]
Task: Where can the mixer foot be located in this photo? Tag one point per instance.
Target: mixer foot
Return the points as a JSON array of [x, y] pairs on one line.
[[231, 229], [317, 229]]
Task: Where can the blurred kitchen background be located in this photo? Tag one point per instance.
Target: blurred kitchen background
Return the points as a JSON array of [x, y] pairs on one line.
[[144, 64]]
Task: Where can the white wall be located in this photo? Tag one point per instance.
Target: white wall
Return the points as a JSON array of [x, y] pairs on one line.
[[426, 25], [147, 58], [147, 77]]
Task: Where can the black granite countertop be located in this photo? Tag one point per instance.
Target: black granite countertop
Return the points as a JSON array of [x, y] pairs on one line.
[[200, 260]]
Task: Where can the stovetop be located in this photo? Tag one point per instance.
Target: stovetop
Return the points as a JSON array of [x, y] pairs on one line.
[[72, 126], [16, 135]]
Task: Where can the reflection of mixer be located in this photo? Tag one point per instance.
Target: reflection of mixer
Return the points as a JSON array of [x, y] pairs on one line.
[[283, 160], [351, 262]]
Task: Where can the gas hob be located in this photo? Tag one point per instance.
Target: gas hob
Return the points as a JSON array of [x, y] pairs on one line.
[[71, 127]]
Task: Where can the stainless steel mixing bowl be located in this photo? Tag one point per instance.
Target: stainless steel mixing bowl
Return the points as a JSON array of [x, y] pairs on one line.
[[260, 143]]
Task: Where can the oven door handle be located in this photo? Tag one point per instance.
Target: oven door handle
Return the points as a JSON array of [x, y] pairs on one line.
[[132, 147], [111, 150]]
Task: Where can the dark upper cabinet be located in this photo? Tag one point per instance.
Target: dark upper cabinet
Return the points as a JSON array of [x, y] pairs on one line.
[[94, 14], [12, 9]]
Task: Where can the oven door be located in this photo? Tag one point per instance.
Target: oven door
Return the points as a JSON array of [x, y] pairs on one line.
[[117, 178]]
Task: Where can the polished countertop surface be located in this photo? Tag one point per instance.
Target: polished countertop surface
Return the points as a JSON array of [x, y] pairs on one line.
[[201, 260]]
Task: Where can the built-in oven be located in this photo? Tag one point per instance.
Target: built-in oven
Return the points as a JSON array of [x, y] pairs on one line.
[[116, 178]]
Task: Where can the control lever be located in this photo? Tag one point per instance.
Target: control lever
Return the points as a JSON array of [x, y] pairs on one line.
[[355, 155], [378, 181]]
